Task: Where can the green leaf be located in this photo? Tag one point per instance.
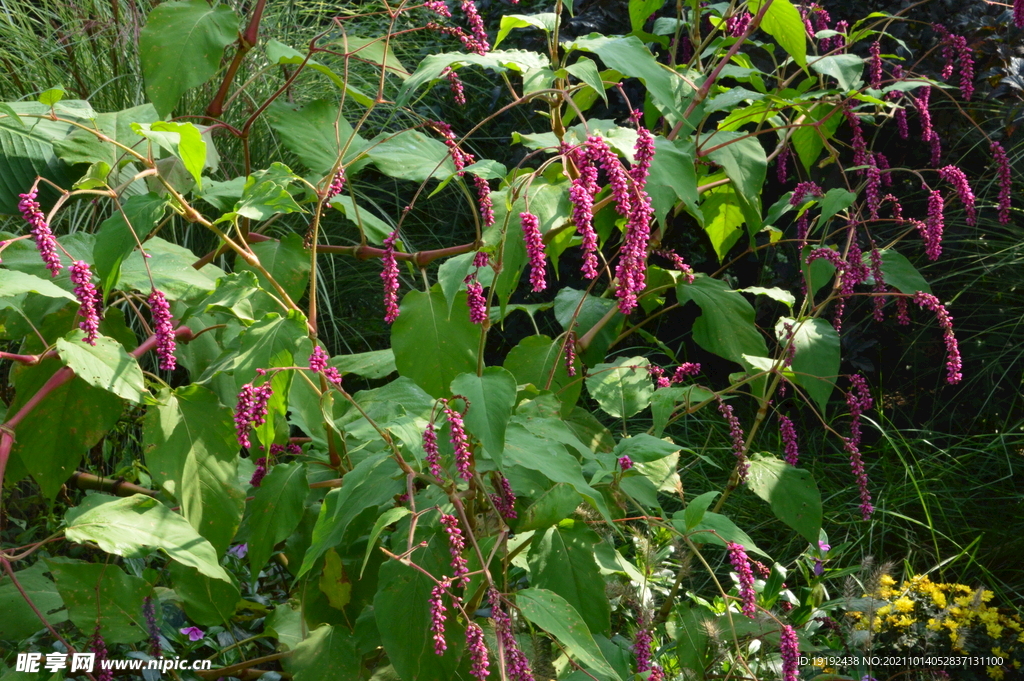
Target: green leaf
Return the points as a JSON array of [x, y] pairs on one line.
[[279, 53], [586, 70], [726, 325], [82, 146], [630, 57], [373, 364], [545, 22], [548, 508], [432, 347], [54, 436], [899, 272], [376, 51], [327, 654], [114, 240], [51, 96], [792, 493], [98, 595], [172, 270], [189, 146], [816, 363], [782, 21], [207, 601], [452, 273], [622, 388], [715, 528], [14, 284], [274, 512], [644, 448], [491, 398], [555, 615], [640, 10], [375, 229], [672, 178], [309, 132], [537, 358], [745, 163], [723, 218], [775, 293], [845, 68], [664, 402], [128, 526], [264, 197], [411, 155], [834, 201], [273, 341], [181, 47], [192, 452], [286, 260], [561, 560], [591, 312], [27, 152], [105, 365], [695, 510], [371, 483], [809, 140], [390, 516], [19, 620]]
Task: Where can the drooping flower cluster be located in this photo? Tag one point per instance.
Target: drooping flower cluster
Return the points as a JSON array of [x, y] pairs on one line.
[[534, 251], [318, 359], [1005, 180], [685, 370], [337, 184], [631, 270], [625, 463], [873, 189], [956, 47], [46, 243], [251, 409], [1018, 13], [437, 617], [581, 195], [477, 650], [88, 300], [875, 65], [934, 225], [677, 262], [475, 298], [739, 446], [893, 96], [433, 456], [459, 440], [883, 164], [736, 25], [389, 275], [789, 441], [860, 147], [263, 463], [789, 647], [838, 41], [958, 179], [455, 85], [801, 192], [456, 545], [642, 645], [99, 647], [505, 499], [437, 6], [517, 666], [152, 629], [858, 399], [879, 285], [928, 133], [163, 329], [259, 473], [461, 159], [953, 361], [478, 40], [741, 564], [782, 165]]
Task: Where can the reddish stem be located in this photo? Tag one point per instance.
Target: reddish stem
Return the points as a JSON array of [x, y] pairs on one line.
[[246, 41]]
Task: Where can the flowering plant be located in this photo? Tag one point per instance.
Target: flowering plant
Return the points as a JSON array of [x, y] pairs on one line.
[[465, 493]]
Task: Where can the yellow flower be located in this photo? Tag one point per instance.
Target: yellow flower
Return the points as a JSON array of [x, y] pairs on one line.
[[904, 604], [884, 610], [998, 652], [886, 580], [995, 673], [939, 598], [904, 621], [933, 624], [987, 596], [994, 630]]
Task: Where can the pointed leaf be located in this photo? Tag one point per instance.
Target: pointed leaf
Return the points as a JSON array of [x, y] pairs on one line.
[[114, 240], [19, 621], [562, 560], [208, 602], [491, 398], [104, 596], [274, 512], [309, 132], [105, 365], [792, 493], [327, 654], [622, 388], [816, 363]]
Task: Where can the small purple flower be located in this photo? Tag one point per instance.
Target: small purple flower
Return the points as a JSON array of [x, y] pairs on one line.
[[883, 164], [902, 315], [505, 500], [259, 473], [318, 360], [736, 25], [570, 353], [948, 51], [337, 184], [193, 633], [239, 551], [875, 65], [739, 446], [437, 617], [477, 650], [460, 442], [741, 564], [800, 193], [437, 6], [643, 153], [98, 646], [46, 243], [953, 361], [481, 259], [389, 275], [1005, 179], [678, 263], [88, 300], [163, 328], [966, 59], [858, 399], [790, 649], [873, 189], [455, 85], [860, 147], [1018, 13], [789, 440], [456, 545], [879, 285], [581, 195], [782, 165], [476, 300], [483, 194], [535, 251], [625, 463], [152, 628], [934, 225], [685, 370], [517, 666], [958, 179], [642, 645], [430, 447], [251, 409]]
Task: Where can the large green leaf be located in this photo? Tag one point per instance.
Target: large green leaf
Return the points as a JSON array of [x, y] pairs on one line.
[[14, 284], [114, 240], [537, 358], [274, 512], [181, 47], [19, 620], [129, 526], [104, 596], [672, 177], [745, 163], [273, 341], [548, 508], [899, 273], [591, 312], [192, 452], [327, 654], [375, 229], [373, 364], [171, 266], [279, 53], [182, 140], [491, 398], [371, 483], [82, 146], [432, 347], [562, 560], [544, 21], [792, 493], [622, 388], [715, 528], [286, 260], [207, 601], [816, 363], [316, 134], [782, 21], [726, 324], [808, 140], [264, 196], [53, 437], [411, 155], [555, 615], [723, 218], [105, 365], [26, 151], [845, 68]]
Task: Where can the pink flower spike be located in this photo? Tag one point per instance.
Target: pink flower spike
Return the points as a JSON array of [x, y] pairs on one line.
[[477, 650], [430, 447], [455, 85], [483, 195], [250, 410], [625, 463], [318, 360], [337, 184], [789, 647], [475, 300], [333, 375], [478, 42], [535, 251], [1018, 13], [953, 360], [958, 179], [1005, 180], [789, 442], [46, 243], [88, 300], [642, 645], [389, 275], [163, 328], [438, 6], [875, 65], [934, 225], [437, 617], [741, 564], [456, 545], [460, 442], [739, 446], [505, 500]]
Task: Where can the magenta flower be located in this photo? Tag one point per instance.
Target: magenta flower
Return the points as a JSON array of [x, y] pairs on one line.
[[678, 263], [318, 359], [739, 446], [251, 409], [437, 617], [958, 179], [505, 500], [456, 545], [800, 193], [430, 447], [643, 153], [782, 165], [389, 275], [477, 650], [789, 441], [873, 189], [476, 300], [736, 25], [685, 370], [741, 564], [517, 666], [46, 243], [858, 399], [99, 647], [455, 85], [625, 463], [337, 184], [333, 376], [902, 315], [601, 154], [483, 195], [163, 328], [838, 42], [966, 59], [948, 50], [642, 645], [790, 649], [259, 473], [193, 633], [883, 164], [860, 147], [88, 300], [570, 353], [1005, 180], [481, 259], [459, 440], [879, 285], [934, 225], [437, 6], [1018, 13], [581, 195], [535, 251], [875, 65], [478, 41], [152, 628], [945, 320]]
